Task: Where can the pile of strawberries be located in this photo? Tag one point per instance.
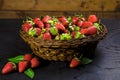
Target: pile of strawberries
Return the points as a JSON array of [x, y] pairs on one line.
[[28, 61], [60, 28]]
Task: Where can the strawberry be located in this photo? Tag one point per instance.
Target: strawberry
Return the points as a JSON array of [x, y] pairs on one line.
[[39, 23], [86, 24], [73, 34], [9, 67], [92, 18], [23, 65], [26, 26], [36, 19], [64, 21], [89, 31], [46, 19], [84, 31], [92, 30], [74, 62], [60, 26], [46, 36], [27, 57], [47, 25], [34, 62], [75, 19], [79, 23], [38, 31]]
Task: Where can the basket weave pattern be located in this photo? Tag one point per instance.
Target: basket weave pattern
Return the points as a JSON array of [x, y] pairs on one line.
[[63, 50]]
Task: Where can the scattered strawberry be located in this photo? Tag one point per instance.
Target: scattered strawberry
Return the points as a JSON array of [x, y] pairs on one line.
[[23, 65], [92, 18], [34, 62], [46, 19], [73, 34], [60, 26], [27, 57], [74, 62], [8, 68], [47, 36], [26, 26]]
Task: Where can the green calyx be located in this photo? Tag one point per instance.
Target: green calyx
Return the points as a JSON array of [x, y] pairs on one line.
[[65, 36], [53, 30], [32, 32], [78, 35], [98, 26]]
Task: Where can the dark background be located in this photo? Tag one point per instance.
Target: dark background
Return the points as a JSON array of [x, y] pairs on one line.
[[105, 66]]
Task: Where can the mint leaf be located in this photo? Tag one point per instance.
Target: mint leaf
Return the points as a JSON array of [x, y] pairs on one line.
[[16, 59], [86, 60], [30, 73]]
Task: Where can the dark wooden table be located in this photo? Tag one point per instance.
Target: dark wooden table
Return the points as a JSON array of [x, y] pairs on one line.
[[106, 65]]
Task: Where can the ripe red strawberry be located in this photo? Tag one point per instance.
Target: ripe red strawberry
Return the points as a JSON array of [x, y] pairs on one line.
[[89, 31], [74, 62], [34, 62], [64, 21], [46, 19], [23, 65], [36, 19], [39, 23], [79, 23], [9, 67], [73, 34], [47, 36], [27, 57], [26, 26], [75, 19], [92, 30], [60, 26], [86, 24], [92, 18], [47, 25], [84, 31], [38, 31]]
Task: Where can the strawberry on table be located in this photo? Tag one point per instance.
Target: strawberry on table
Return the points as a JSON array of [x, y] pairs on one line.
[[8, 68], [27, 57], [92, 18], [74, 62], [86, 24], [23, 65], [34, 62], [26, 26]]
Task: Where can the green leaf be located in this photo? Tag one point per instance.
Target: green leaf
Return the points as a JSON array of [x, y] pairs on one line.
[[16, 59], [86, 60], [30, 73], [32, 32], [53, 30], [65, 36], [98, 26]]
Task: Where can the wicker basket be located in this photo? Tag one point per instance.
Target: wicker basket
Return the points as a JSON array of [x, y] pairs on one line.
[[64, 50]]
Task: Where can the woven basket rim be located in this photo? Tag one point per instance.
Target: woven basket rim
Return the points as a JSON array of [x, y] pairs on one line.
[[58, 43]]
